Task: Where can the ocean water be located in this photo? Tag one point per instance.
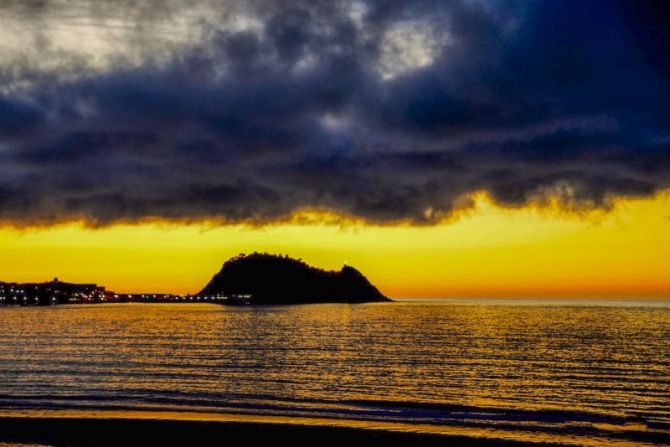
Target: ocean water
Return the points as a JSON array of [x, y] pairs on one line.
[[588, 373]]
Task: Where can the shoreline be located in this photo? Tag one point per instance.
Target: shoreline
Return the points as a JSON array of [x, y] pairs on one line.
[[114, 430], [494, 301]]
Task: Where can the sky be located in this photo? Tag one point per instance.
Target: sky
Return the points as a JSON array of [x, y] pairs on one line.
[[461, 148]]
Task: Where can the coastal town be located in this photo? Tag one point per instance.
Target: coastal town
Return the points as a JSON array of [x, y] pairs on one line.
[[58, 292]]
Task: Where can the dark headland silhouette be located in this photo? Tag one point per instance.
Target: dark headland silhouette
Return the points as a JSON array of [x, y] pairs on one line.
[[262, 278], [258, 278]]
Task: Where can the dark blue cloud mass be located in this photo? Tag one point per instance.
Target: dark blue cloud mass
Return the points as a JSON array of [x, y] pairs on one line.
[[385, 110]]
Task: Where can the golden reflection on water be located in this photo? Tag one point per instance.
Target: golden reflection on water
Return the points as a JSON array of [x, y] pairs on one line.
[[597, 373]]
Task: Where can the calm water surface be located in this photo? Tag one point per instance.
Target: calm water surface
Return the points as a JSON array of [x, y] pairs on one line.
[[587, 373]]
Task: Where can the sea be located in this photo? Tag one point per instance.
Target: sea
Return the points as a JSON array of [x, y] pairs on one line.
[[591, 373]]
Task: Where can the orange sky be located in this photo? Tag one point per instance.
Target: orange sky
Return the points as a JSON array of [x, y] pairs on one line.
[[484, 252]]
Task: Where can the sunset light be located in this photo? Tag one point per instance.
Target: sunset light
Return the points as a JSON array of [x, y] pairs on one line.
[[376, 222]]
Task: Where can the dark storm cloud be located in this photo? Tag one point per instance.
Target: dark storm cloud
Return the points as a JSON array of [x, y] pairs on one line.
[[384, 110]]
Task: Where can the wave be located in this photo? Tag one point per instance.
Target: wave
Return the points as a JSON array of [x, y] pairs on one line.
[[573, 423]]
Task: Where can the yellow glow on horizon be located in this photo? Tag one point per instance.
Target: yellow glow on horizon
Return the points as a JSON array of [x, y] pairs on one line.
[[488, 251]]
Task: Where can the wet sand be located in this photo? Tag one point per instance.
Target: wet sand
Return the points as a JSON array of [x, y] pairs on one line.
[[77, 432]]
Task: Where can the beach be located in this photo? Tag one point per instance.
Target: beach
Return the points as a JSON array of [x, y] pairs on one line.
[[437, 372], [121, 431]]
